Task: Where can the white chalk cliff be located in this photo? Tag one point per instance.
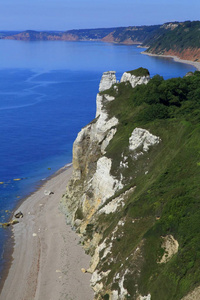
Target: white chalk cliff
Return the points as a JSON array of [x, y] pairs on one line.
[[91, 170], [134, 80], [107, 80], [92, 189]]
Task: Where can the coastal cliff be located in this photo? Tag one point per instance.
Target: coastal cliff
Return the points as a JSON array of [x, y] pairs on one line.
[[179, 39], [127, 195]]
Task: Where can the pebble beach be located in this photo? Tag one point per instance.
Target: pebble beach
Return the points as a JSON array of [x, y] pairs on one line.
[[47, 256]]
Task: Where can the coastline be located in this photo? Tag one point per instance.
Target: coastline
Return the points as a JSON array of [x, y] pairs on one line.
[[177, 59], [47, 259], [47, 277]]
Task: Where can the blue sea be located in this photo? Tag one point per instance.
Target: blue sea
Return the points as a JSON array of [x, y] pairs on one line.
[[47, 94]]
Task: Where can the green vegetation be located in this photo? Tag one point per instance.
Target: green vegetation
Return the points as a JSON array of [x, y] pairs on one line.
[[139, 72], [159, 38], [91, 34], [159, 99], [166, 200], [138, 34], [185, 35]]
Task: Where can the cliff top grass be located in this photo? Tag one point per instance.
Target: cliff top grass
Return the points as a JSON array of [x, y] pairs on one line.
[[139, 72]]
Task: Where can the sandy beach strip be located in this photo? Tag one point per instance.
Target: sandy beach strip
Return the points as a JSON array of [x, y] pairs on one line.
[[177, 59], [47, 258]]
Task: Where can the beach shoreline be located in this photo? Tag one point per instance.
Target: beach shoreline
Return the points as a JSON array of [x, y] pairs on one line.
[[176, 58], [47, 258], [9, 247]]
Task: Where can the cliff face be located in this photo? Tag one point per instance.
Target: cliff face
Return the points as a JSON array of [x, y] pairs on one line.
[[89, 163], [135, 80], [134, 194], [177, 39], [131, 35], [186, 54], [92, 184]]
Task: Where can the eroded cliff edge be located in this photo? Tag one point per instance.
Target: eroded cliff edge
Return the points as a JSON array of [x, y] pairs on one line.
[[116, 197]]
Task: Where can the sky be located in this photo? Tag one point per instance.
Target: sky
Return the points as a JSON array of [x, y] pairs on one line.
[[77, 14]]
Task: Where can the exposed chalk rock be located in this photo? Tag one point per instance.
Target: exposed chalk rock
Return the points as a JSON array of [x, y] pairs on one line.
[[98, 277], [98, 287], [148, 297], [100, 131], [134, 80], [77, 222], [112, 206], [107, 250], [114, 295], [107, 139], [107, 80], [104, 185], [142, 139], [123, 291], [194, 295], [100, 128], [95, 258], [170, 245], [99, 102]]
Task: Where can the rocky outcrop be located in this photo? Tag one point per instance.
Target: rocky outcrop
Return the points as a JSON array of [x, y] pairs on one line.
[[142, 139], [104, 184], [107, 80], [134, 80], [19, 215], [91, 175], [194, 295], [7, 224], [148, 297]]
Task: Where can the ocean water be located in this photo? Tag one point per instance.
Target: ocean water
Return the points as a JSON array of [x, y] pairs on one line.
[[47, 94]]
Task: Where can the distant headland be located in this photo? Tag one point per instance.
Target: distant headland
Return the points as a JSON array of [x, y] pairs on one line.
[[181, 39]]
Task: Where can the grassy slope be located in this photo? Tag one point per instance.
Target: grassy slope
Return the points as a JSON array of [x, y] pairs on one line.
[[169, 190], [185, 35], [135, 33]]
